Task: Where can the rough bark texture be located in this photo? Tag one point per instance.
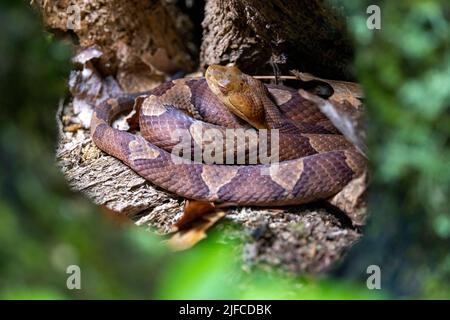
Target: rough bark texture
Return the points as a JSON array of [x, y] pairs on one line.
[[300, 34], [142, 41]]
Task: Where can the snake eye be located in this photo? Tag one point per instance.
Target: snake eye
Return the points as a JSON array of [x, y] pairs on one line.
[[224, 83]]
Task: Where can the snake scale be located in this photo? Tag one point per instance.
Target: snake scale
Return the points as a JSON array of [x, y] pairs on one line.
[[315, 161]]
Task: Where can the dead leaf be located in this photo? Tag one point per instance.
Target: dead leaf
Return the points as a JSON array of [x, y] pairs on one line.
[[347, 119], [193, 210], [343, 90], [132, 119], [73, 127], [88, 88], [186, 239], [85, 54], [352, 199]]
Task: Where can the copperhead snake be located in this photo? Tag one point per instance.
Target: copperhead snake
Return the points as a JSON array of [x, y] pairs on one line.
[[315, 161]]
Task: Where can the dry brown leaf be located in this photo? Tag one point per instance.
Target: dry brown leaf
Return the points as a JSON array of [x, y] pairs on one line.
[[73, 127], [343, 90], [132, 119], [193, 210], [87, 85], [352, 200], [345, 117], [187, 238], [86, 54], [88, 89]]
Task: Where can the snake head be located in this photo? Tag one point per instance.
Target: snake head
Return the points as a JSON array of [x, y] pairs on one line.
[[241, 93]]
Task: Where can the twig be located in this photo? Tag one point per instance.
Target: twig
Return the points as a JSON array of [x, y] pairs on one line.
[[276, 77]]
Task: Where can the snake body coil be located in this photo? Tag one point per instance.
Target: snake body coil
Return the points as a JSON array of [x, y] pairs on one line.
[[316, 161]]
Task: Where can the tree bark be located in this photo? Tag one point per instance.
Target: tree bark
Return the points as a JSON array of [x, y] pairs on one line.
[[305, 35], [141, 41]]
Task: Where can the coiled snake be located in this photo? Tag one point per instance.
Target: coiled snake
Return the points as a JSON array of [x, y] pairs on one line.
[[315, 161]]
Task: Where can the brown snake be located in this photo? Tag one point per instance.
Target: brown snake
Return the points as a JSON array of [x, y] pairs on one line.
[[316, 161]]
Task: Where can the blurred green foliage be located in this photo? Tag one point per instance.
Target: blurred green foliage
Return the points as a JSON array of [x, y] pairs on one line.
[[405, 70], [44, 227]]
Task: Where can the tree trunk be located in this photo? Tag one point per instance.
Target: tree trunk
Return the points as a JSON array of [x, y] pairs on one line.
[[141, 41], [256, 35]]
